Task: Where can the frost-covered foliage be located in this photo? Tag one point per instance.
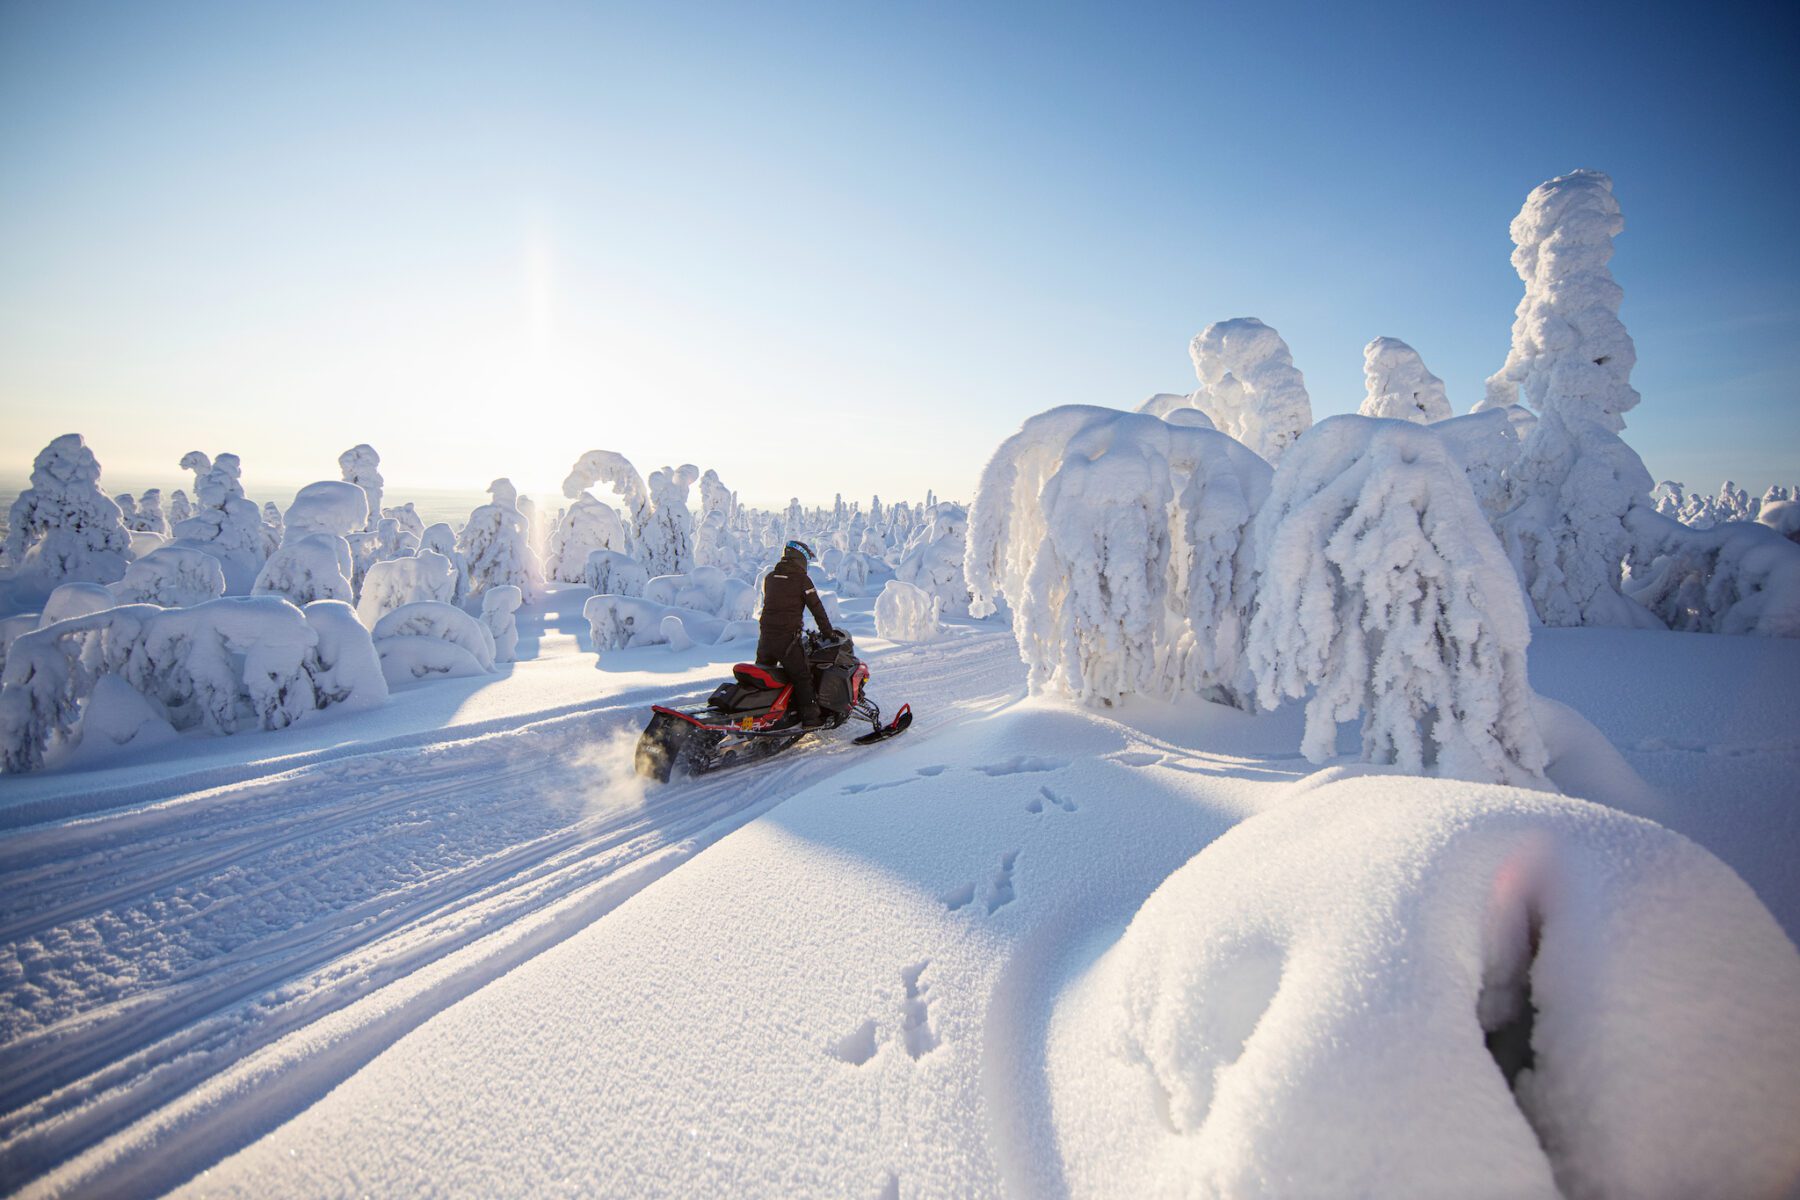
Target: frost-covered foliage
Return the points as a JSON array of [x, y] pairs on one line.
[[588, 525], [149, 516], [608, 572], [1487, 445], [499, 609], [274, 527], [1737, 577], [396, 582], [64, 527], [1551, 998], [180, 508], [75, 600], [408, 517], [497, 545], [614, 470], [714, 543], [1396, 384], [173, 577], [1117, 538], [704, 589], [317, 566], [1380, 587], [439, 538], [625, 622], [906, 613], [393, 540], [428, 638], [934, 561], [329, 506], [1575, 480], [224, 666], [343, 665], [1249, 386], [665, 545], [362, 467], [223, 524], [1668, 497]]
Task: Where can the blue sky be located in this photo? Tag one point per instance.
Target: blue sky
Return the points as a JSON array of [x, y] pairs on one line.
[[846, 246]]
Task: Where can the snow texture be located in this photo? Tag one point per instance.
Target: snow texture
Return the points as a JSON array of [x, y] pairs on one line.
[[1117, 539], [64, 527], [1249, 386], [311, 567], [1380, 587], [173, 577], [907, 613], [1397, 385], [1549, 998], [397, 582], [430, 639]]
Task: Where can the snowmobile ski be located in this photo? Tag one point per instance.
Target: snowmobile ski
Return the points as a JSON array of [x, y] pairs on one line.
[[894, 728]]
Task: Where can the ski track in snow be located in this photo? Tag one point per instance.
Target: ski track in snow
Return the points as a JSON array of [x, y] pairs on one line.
[[185, 974]]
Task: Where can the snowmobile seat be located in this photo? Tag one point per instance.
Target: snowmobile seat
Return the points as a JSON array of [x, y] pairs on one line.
[[753, 676]]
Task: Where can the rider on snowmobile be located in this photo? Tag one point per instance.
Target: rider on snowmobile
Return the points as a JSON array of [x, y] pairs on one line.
[[787, 593]]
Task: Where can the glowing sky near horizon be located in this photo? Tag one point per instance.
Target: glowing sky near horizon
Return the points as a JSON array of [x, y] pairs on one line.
[[844, 248]]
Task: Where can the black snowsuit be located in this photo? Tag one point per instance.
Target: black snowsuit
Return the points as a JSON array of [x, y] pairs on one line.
[[787, 594]]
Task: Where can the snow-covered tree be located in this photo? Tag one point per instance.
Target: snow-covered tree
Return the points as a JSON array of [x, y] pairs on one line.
[[127, 508], [614, 470], [1734, 577], [905, 613], [362, 467], [274, 527], [496, 546], [180, 508], [1116, 538], [1575, 479], [223, 524], [149, 518], [1380, 587], [1783, 516], [409, 518], [589, 524], [607, 572], [1249, 386], [1487, 445], [64, 527], [499, 616], [934, 561], [329, 507], [1396, 384], [314, 566], [439, 538], [395, 582], [666, 543], [1668, 498], [172, 577], [427, 639]]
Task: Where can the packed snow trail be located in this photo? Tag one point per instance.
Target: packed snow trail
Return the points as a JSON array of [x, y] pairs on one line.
[[228, 956]]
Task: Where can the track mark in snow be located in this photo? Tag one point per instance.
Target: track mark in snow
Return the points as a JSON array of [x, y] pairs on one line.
[[1061, 801], [1138, 758], [1020, 764], [857, 789], [958, 898], [935, 769], [915, 1012], [1000, 888], [1035, 804], [890, 1187], [856, 1047]]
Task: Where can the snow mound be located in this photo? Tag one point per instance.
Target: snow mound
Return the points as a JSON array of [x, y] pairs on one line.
[[626, 622], [499, 616], [328, 506], [401, 581], [1736, 577], [315, 566], [1547, 996], [1249, 386], [704, 589], [607, 572], [907, 613], [428, 638], [75, 600], [1783, 516]]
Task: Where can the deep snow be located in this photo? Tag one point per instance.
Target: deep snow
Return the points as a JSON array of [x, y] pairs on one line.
[[375, 956]]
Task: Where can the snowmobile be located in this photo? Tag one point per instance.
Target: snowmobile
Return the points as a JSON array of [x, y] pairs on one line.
[[748, 717]]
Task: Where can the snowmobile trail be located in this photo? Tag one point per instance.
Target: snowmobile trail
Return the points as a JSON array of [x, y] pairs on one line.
[[184, 974]]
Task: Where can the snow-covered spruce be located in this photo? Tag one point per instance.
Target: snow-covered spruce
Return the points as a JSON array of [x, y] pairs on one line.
[[614, 470], [588, 525], [329, 506], [1487, 445], [343, 665], [149, 517], [439, 538], [428, 639], [1783, 516], [362, 467], [665, 545], [397, 582], [1381, 589], [1249, 386], [1396, 384], [173, 577], [224, 666], [705, 589], [907, 613], [315, 566], [223, 523], [1550, 997], [607, 572], [934, 559], [1736, 577], [75, 600], [64, 527], [408, 517], [497, 546], [1118, 540], [1575, 480], [499, 616]]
